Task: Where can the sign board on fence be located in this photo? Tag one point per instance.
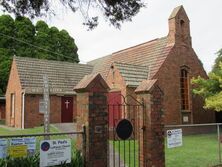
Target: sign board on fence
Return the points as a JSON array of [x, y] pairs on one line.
[[30, 142], [18, 151], [55, 152], [174, 138], [3, 148]]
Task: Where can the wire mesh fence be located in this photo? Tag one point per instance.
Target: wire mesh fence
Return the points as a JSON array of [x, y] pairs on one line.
[[200, 145], [25, 150]]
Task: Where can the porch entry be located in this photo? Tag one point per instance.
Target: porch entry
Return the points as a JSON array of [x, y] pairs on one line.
[[66, 109]]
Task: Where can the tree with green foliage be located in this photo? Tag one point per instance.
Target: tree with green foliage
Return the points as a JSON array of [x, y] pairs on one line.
[[21, 38], [114, 11], [211, 89]]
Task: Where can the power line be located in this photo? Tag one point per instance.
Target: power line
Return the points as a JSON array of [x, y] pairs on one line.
[[35, 46]]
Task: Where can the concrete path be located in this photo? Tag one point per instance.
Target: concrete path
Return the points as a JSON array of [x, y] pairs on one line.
[[66, 127]]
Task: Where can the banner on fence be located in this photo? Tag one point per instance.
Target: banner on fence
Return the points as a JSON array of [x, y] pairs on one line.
[[174, 138], [30, 142], [18, 151], [3, 148], [55, 152]]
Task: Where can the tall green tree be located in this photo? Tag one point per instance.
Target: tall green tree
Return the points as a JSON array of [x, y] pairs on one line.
[[21, 38], [41, 40], [7, 27], [211, 89], [114, 11], [25, 33]]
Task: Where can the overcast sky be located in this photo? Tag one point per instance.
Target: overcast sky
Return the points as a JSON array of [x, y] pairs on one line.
[[152, 22]]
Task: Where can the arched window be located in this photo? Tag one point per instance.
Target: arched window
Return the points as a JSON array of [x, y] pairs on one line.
[[184, 89]]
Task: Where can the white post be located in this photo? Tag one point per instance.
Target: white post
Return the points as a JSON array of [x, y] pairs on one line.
[[47, 105], [23, 110]]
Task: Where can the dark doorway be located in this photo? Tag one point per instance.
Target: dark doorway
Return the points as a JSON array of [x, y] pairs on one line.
[[67, 109], [114, 101], [218, 116]]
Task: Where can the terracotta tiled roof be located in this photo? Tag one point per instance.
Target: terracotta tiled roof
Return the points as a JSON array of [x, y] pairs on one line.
[[146, 85], [63, 76], [132, 74], [151, 54]]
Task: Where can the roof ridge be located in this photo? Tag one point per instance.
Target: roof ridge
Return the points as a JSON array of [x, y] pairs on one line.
[[148, 42], [46, 60]]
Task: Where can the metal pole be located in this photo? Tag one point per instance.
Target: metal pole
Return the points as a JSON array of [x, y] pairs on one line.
[[84, 145], [218, 136]]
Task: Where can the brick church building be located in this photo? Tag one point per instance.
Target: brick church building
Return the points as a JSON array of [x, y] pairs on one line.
[[170, 59], [24, 95]]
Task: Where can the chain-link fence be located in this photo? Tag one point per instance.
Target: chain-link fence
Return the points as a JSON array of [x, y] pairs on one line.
[[33, 149], [196, 145]]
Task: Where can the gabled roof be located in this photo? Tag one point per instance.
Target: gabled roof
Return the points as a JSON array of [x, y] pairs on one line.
[[91, 81], [62, 76], [132, 74], [150, 54], [146, 85]]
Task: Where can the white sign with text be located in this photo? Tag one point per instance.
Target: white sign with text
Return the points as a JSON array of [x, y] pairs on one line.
[[30, 142], [3, 148], [55, 152], [174, 138]]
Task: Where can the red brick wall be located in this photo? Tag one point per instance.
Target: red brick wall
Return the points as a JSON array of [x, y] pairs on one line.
[[34, 118], [169, 81], [14, 87], [169, 74]]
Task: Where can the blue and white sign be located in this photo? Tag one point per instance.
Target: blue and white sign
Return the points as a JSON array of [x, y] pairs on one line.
[[30, 142], [55, 152], [174, 138], [3, 148]]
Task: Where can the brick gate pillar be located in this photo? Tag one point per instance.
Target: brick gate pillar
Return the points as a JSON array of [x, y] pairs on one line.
[[152, 139], [92, 113]]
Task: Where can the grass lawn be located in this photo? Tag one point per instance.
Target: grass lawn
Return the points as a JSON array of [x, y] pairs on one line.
[[36, 130], [197, 151], [11, 131], [131, 151]]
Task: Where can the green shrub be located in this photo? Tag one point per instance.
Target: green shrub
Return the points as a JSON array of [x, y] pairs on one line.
[[33, 161]]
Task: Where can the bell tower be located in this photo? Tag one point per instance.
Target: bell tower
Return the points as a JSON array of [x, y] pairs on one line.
[[179, 27]]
